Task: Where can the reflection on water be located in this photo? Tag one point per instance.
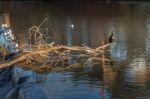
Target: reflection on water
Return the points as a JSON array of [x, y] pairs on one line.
[[136, 73], [69, 32], [147, 40], [86, 83], [126, 77], [84, 30], [61, 86], [76, 31], [119, 49]]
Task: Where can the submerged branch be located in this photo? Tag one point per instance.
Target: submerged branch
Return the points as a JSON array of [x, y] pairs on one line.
[[41, 56]]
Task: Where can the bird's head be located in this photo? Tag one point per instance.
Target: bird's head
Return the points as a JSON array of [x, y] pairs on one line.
[[112, 33]]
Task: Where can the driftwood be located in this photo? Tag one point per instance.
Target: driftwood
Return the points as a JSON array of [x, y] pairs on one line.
[[39, 58], [3, 52]]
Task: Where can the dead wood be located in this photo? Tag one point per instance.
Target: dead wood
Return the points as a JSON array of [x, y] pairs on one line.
[[39, 55]]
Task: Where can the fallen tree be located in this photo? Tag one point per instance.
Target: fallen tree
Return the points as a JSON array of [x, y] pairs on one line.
[[43, 58]]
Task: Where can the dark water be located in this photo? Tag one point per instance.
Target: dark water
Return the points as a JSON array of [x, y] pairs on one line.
[[127, 77]]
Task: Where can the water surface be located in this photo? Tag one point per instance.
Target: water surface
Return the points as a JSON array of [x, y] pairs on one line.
[[127, 77]]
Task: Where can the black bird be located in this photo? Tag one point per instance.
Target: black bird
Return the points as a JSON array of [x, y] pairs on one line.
[[112, 38]]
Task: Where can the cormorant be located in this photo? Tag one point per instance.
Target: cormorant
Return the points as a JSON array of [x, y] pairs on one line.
[[112, 38]]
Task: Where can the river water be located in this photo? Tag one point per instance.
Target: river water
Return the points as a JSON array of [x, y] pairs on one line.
[[126, 77]]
